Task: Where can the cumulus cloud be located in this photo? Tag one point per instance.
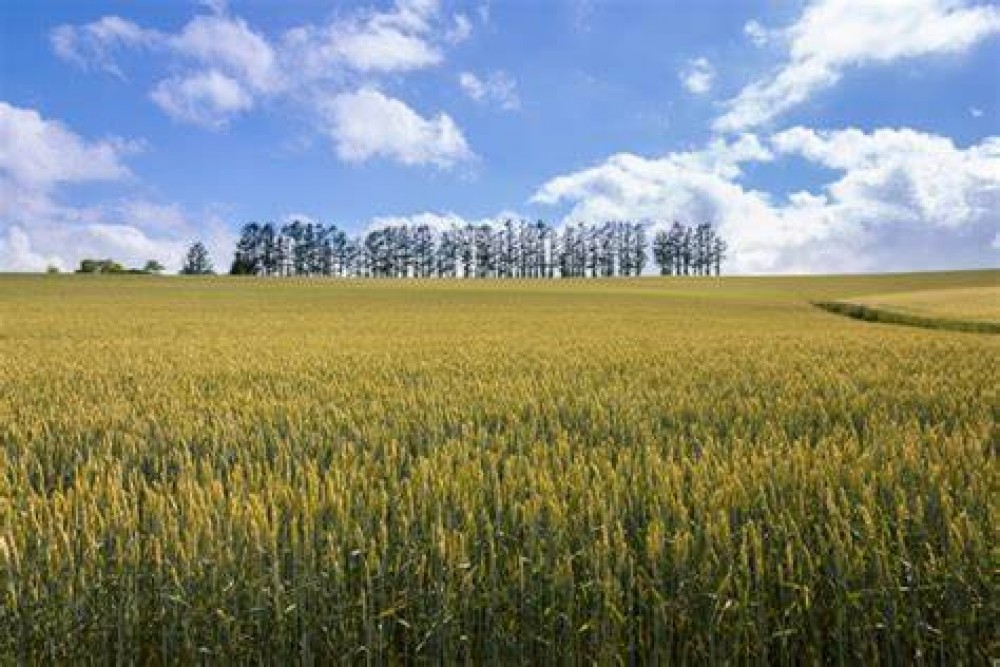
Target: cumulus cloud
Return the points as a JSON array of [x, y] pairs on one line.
[[37, 153], [904, 175], [697, 76], [904, 200], [832, 36], [208, 98], [367, 123], [228, 44], [496, 88], [223, 68], [38, 156], [17, 253], [395, 41], [409, 36]]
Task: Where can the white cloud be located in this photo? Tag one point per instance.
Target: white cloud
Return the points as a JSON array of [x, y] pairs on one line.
[[151, 216], [95, 44], [627, 185], [369, 46], [905, 175], [367, 124], [386, 50], [905, 200], [37, 153], [497, 88], [222, 68], [17, 254], [415, 15], [472, 86], [208, 98], [833, 36], [756, 33], [405, 38], [975, 112], [37, 157], [233, 63], [228, 44], [122, 240], [697, 76]]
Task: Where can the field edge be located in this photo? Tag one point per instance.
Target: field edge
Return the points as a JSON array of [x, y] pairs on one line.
[[866, 313]]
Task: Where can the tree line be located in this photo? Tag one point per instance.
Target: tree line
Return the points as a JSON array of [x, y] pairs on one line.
[[512, 249], [151, 267]]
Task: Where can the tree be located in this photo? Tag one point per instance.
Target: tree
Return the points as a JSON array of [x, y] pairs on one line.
[[247, 258], [447, 254], [639, 255], [154, 267], [424, 251], [267, 249], [100, 266], [661, 252], [719, 248], [198, 263]]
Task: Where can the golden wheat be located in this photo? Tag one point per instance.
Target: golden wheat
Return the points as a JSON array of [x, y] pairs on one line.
[[661, 470]]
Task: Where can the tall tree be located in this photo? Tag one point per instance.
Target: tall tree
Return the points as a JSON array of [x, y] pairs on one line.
[[661, 252], [718, 253], [447, 254], [266, 249], [247, 257], [197, 261]]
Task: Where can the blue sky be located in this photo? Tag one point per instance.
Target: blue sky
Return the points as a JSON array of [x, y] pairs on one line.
[[820, 136]]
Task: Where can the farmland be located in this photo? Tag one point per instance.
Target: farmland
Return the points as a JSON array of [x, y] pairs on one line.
[[972, 303], [661, 469]]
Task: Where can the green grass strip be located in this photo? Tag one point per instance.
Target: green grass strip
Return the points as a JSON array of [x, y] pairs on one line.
[[880, 315]]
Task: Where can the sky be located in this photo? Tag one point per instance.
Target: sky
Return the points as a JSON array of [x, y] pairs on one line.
[[818, 136]]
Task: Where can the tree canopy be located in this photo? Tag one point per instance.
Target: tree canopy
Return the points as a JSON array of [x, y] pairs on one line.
[[197, 261], [110, 266]]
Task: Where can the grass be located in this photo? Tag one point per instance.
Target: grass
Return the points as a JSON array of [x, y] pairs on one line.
[[660, 470]]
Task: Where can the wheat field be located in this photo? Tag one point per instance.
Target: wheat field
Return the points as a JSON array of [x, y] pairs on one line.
[[972, 303], [671, 471]]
